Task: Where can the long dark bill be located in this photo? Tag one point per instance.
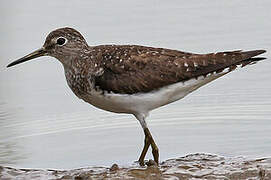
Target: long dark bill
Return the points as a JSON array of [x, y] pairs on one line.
[[35, 54]]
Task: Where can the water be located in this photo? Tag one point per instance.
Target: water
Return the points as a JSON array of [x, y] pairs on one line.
[[43, 125]]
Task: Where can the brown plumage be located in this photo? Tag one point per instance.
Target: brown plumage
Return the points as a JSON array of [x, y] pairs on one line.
[[133, 69]]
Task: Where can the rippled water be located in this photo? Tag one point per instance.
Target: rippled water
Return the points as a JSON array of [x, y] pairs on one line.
[[43, 125]]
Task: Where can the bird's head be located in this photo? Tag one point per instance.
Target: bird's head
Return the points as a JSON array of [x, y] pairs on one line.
[[63, 44]]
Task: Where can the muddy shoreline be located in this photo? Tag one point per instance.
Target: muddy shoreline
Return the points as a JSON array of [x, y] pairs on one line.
[[194, 166]]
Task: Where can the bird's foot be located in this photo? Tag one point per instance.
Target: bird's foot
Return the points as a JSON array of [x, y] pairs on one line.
[[141, 162], [147, 162], [151, 163]]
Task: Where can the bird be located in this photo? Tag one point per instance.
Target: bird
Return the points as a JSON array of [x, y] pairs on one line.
[[135, 79]]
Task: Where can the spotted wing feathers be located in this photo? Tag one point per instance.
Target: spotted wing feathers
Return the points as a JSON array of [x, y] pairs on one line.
[[145, 69]]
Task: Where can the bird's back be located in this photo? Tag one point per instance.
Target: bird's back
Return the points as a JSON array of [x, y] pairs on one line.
[[138, 69]]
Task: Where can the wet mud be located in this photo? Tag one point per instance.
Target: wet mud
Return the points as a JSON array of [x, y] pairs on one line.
[[194, 166]]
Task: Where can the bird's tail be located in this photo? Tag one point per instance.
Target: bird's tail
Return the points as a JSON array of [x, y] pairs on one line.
[[249, 57]]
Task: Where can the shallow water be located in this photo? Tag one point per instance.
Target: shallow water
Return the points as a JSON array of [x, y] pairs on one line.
[[43, 125]]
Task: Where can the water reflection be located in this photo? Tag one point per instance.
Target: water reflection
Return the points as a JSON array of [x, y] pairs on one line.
[[9, 153]]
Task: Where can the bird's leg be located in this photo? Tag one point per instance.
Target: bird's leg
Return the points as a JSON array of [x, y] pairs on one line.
[[144, 151], [155, 150], [148, 141]]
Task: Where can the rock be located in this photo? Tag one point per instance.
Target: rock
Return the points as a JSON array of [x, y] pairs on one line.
[[114, 167]]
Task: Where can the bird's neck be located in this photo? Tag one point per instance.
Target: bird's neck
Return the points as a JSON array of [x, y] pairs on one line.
[[80, 75], [79, 81]]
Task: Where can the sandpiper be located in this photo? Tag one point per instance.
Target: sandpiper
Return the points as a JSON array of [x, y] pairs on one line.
[[135, 79]]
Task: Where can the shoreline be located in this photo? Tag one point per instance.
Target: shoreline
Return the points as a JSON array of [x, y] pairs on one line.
[[193, 166]]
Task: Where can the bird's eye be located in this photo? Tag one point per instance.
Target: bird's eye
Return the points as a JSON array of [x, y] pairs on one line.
[[61, 41]]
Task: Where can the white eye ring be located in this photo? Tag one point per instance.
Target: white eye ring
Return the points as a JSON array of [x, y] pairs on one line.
[[61, 41]]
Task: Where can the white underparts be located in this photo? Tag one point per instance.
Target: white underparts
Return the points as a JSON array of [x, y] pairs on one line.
[[140, 104]]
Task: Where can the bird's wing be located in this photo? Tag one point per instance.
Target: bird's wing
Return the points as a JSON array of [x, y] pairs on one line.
[[149, 69]]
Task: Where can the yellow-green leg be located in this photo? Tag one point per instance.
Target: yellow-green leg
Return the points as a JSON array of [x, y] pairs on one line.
[[144, 151], [149, 141]]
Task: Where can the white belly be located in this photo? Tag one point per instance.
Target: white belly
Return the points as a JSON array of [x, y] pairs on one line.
[[142, 103]]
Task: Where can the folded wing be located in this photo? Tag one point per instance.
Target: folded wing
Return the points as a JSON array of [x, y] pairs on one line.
[[145, 69]]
